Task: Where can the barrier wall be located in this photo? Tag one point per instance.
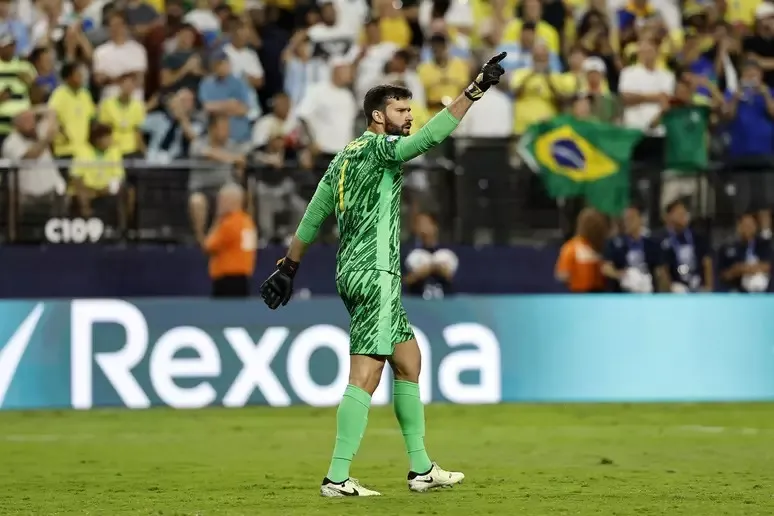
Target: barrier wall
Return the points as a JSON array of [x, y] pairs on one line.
[[195, 353]]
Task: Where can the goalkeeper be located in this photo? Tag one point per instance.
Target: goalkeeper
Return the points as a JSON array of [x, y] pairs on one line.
[[362, 186]]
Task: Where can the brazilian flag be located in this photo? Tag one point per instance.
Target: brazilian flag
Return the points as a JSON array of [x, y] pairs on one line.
[[582, 158]]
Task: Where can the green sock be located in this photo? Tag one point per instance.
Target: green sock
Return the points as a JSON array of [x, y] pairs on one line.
[[351, 421], [411, 416]]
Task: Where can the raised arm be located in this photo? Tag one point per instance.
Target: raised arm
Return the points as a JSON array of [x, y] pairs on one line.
[[443, 124]]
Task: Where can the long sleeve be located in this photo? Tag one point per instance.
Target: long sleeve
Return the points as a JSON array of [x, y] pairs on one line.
[[319, 208], [434, 132]]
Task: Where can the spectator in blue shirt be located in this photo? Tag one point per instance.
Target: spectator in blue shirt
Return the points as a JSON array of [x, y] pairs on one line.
[[223, 94], [520, 54], [42, 58], [10, 25], [632, 258], [171, 130], [750, 115], [745, 263]]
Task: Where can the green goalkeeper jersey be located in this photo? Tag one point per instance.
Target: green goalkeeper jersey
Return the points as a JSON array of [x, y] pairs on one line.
[[362, 187]]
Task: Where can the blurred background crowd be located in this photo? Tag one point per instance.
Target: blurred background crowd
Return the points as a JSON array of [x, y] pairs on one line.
[[137, 112]]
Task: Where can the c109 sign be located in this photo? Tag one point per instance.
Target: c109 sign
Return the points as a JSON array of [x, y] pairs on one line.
[[192, 354]]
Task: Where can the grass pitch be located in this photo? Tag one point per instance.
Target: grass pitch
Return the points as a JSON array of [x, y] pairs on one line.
[[697, 460]]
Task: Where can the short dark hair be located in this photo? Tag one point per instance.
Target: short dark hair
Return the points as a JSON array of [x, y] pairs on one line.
[[117, 14], [68, 69], [35, 54], [377, 97], [214, 119], [403, 54], [674, 204]]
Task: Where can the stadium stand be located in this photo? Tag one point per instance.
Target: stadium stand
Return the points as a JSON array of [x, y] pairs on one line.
[[119, 120]]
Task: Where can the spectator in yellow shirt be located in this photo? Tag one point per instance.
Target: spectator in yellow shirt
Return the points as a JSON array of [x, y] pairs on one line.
[[97, 174], [538, 92], [533, 12], [74, 110], [443, 76], [125, 116], [392, 22]]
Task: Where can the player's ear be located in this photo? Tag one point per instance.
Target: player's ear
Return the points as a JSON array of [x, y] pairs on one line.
[[378, 116]]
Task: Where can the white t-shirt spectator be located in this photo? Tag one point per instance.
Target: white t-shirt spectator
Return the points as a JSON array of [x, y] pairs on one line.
[[330, 113], [330, 42], [40, 178], [116, 60], [244, 61], [351, 15], [269, 126], [371, 67], [492, 117], [639, 80]]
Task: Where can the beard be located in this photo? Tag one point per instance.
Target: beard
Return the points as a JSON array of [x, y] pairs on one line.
[[395, 129]]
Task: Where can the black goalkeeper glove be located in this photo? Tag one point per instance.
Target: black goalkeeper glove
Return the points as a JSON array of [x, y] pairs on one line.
[[490, 74], [278, 287]]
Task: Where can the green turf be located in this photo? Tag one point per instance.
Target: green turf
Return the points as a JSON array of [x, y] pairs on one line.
[[698, 460]]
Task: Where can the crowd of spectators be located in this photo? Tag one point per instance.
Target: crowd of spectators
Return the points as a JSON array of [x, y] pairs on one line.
[[229, 86]]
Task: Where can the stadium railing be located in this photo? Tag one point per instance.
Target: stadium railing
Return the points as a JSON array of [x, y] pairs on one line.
[[479, 190]]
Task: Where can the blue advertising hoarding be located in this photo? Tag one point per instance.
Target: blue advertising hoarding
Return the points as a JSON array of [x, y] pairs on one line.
[[190, 353]]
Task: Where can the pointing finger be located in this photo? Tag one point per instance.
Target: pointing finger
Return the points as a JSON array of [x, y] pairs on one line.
[[496, 59]]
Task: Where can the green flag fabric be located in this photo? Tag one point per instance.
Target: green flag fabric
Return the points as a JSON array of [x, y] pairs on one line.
[[582, 158], [686, 149]]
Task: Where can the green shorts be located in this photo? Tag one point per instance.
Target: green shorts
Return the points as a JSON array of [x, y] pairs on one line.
[[378, 320]]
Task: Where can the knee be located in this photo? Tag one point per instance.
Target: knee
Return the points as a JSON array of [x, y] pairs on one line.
[[407, 374], [366, 377]]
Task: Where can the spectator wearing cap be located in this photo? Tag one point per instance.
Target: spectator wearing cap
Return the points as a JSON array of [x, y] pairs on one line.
[[750, 115], [39, 182], [444, 76], [760, 46], [222, 94], [329, 40], [744, 264], [97, 175], [118, 57], [632, 259], [74, 110], [47, 80], [538, 91], [519, 53], [533, 13], [182, 68], [16, 78], [125, 115], [604, 105], [16, 28]]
